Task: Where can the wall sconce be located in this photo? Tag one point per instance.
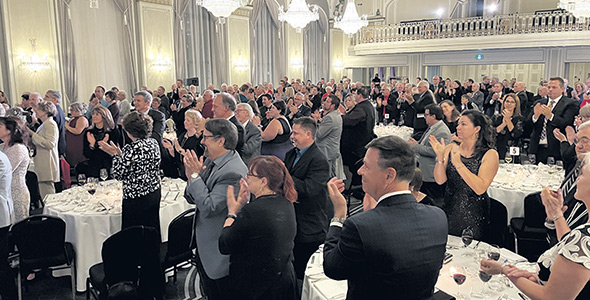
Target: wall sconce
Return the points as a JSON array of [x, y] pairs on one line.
[[296, 62], [240, 63], [93, 3], [33, 62], [338, 65], [160, 63]]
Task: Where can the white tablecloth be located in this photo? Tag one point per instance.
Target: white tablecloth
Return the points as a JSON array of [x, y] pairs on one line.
[[88, 229], [316, 286], [403, 132], [514, 182]]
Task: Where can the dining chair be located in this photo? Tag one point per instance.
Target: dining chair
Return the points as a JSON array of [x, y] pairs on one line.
[[40, 242], [179, 247]]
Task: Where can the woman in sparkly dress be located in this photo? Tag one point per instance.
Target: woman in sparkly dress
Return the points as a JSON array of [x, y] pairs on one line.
[[472, 168]]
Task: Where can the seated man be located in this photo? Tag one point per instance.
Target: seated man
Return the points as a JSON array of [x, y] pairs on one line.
[[396, 249]]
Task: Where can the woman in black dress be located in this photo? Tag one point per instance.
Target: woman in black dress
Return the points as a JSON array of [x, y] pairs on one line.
[[137, 166], [259, 235], [189, 140], [103, 129], [276, 136], [509, 125], [472, 168]]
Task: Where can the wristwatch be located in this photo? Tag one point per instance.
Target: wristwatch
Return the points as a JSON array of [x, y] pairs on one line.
[[338, 220], [195, 175]]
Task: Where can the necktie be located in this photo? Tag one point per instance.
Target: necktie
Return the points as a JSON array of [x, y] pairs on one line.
[[208, 170], [544, 131]]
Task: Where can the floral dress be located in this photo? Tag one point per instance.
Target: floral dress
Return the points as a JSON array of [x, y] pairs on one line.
[[18, 155]]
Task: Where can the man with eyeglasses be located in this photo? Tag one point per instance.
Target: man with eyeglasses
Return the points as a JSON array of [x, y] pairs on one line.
[[208, 180]]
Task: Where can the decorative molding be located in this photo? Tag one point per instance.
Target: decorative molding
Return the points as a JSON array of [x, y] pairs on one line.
[[243, 11], [161, 2]]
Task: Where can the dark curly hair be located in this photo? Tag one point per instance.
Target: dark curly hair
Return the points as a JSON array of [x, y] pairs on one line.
[[138, 125], [18, 131], [486, 138]]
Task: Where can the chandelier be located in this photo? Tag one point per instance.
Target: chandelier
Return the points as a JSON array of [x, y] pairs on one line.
[[34, 62], [350, 22], [221, 8], [297, 62], [579, 8], [299, 14], [93, 3], [161, 63], [240, 63]]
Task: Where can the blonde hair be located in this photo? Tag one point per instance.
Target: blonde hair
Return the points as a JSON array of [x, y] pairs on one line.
[[194, 115]]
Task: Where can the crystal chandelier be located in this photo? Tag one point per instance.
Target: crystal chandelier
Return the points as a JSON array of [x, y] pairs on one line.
[[299, 14], [297, 62], [221, 8], [579, 8], [350, 22], [161, 63], [240, 63], [34, 62]]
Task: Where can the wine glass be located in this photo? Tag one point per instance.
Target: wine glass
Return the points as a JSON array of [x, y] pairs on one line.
[[533, 159], [81, 179], [104, 174], [494, 252], [508, 158], [550, 161], [467, 238], [484, 277], [559, 165], [459, 275], [91, 186]]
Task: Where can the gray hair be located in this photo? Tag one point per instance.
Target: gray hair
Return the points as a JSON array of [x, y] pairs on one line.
[[55, 94], [247, 107], [79, 107], [228, 100], [147, 97], [396, 153], [225, 129], [585, 111], [584, 125], [424, 83], [35, 95], [48, 108]]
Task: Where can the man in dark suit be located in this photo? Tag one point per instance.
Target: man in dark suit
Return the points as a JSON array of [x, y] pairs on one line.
[[546, 116], [397, 247], [542, 94], [357, 131], [385, 103], [252, 135], [425, 98], [266, 101], [298, 109], [315, 98], [224, 106], [525, 97], [310, 170], [493, 102], [143, 104]]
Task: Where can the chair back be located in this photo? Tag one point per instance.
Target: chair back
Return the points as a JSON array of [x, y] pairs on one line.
[[180, 235], [534, 211], [133, 255], [498, 223], [40, 240]]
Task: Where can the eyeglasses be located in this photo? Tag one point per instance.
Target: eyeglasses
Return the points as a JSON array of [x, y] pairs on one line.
[[582, 141], [510, 101], [209, 136], [252, 175]]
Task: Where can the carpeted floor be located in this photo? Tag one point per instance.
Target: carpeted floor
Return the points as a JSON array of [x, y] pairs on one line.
[[47, 287]]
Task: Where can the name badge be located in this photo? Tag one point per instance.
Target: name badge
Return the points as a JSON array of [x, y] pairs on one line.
[[514, 151], [386, 116]]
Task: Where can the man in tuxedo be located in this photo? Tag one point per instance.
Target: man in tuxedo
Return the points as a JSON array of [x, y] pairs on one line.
[[424, 98], [143, 104], [397, 247], [252, 135], [328, 134], [224, 106], [357, 131], [310, 171], [558, 112], [298, 109], [526, 97], [493, 102], [426, 156], [207, 189]]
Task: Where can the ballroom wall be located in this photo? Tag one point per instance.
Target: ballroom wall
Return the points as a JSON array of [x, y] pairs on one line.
[[239, 45]]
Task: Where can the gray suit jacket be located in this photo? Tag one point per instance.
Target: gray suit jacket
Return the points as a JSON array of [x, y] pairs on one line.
[[327, 136], [211, 203], [47, 157], [426, 156], [252, 142], [6, 205]]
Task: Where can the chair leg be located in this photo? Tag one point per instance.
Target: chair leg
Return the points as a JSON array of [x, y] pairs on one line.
[[20, 287], [175, 274], [73, 270], [87, 288]]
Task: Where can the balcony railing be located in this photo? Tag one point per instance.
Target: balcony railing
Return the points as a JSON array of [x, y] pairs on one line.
[[472, 27]]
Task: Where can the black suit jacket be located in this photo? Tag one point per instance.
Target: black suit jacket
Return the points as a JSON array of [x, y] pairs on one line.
[[395, 249], [357, 131], [313, 207], [159, 124], [303, 111], [563, 115], [240, 129], [60, 120], [419, 105]]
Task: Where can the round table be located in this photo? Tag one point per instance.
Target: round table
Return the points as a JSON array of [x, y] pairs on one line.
[[87, 230], [316, 286]]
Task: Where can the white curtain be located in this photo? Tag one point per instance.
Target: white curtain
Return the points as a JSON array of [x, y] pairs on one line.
[[102, 48], [267, 43], [316, 49], [205, 47], [13, 98], [68, 53], [180, 7]]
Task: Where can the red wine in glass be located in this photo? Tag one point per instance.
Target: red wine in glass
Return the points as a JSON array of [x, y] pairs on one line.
[[459, 278], [91, 191], [485, 277], [494, 255], [467, 239]]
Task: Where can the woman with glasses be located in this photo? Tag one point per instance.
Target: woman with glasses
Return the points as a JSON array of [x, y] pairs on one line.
[[509, 125], [258, 234]]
